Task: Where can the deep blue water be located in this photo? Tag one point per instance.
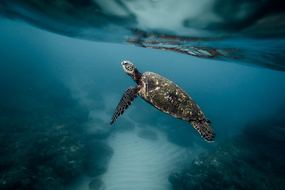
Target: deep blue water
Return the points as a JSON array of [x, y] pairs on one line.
[[59, 91]]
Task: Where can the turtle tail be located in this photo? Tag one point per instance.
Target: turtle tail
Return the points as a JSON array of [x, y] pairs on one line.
[[204, 129]]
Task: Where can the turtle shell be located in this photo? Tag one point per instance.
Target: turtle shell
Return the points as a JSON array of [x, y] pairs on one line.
[[168, 97]]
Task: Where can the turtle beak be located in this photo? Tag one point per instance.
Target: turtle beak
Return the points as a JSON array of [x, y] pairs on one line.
[[124, 63]]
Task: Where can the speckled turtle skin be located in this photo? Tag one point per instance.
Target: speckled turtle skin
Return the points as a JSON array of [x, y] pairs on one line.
[[168, 97]]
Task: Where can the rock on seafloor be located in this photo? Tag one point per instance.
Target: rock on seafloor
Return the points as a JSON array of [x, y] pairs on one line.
[[96, 184], [42, 134], [99, 156], [252, 160]]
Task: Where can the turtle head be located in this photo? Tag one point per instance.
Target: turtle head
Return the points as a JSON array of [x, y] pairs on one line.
[[128, 67], [131, 70]]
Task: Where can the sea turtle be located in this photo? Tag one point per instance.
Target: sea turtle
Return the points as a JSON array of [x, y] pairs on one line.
[[166, 96]]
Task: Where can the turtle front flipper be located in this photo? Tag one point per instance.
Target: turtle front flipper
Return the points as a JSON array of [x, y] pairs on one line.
[[204, 129], [126, 100]]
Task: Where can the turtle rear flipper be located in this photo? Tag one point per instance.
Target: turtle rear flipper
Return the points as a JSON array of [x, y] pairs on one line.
[[126, 100], [204, 129]]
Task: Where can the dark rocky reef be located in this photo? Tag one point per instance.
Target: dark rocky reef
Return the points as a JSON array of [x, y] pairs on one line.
[[252, 160], [41, 136], [99, 155], [96, 184], [42, 132]]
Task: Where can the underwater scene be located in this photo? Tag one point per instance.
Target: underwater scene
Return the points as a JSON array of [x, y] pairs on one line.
[[142, 94]]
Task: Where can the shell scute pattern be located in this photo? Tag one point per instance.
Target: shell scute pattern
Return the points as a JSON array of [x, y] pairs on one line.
[[168, 97]]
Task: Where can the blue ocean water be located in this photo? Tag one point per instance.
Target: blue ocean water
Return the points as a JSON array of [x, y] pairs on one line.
[[59, 91]]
